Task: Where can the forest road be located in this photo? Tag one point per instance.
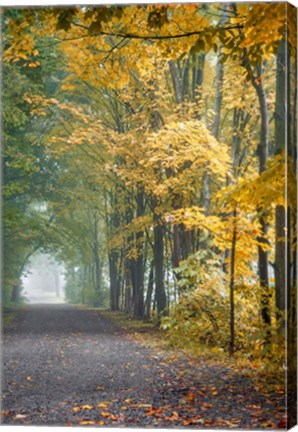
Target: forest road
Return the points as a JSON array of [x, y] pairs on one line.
[[63, 365]]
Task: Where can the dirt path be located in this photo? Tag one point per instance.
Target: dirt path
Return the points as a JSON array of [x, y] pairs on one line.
[[68, 366]]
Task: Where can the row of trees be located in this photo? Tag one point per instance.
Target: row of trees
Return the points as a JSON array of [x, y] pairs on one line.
[[148, 147]]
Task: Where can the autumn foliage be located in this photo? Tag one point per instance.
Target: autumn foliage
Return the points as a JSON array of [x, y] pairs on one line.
[[144, 146]]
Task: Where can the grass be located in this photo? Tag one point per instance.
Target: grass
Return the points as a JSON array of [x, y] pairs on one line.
[[7, 317], [149, 328]]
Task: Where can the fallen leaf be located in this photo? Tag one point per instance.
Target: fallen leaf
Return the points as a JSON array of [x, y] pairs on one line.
[[187, 422], [282, 424], [151, 412], [100, 388], [87, 407], [206, 405], [20, 416], [173, 417], [87, 422], [75, 409], [208, 422], [103, 405], [268, 424], [191, 397]]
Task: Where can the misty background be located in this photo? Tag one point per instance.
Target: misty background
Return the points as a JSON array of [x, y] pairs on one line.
[[44, 280]]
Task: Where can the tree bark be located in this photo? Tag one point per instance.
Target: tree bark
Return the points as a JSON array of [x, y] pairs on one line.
[[176, 81], [149, 291], [218, 96], [97, 264], [232, 286], [112, 223], [198, 63], [114, 280], [161, 299], [263, 149]]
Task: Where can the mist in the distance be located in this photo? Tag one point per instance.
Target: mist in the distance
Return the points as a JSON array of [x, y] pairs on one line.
[[44, 280]]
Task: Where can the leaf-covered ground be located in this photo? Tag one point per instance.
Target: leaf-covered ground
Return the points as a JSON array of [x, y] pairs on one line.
[[68, 366]]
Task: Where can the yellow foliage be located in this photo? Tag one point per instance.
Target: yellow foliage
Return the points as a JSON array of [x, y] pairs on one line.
[[263, 191]]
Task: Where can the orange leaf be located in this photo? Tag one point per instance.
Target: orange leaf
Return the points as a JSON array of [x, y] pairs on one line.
[[208, 422], [191, 397], [151, 412], [282, 424]]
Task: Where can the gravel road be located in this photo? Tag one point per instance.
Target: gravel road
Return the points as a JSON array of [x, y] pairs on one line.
[[64, 365]]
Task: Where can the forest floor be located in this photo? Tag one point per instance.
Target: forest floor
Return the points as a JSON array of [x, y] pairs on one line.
[[66, 365]]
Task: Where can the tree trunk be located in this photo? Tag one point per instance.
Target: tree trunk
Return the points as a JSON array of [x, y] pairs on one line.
[[198, 63], [206, 198], [16, 294], [216, 120], [138, 264], [97, 264], [128, 288], [161, 299], [185, 79], [176, 81], [182, 238], [263, 149], [218, 96], [114, 280], [149, 291], [112, 224], [232, 286], [176, 255]]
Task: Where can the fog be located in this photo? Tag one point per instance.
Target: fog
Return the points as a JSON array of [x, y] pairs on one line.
[[43, 281]]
